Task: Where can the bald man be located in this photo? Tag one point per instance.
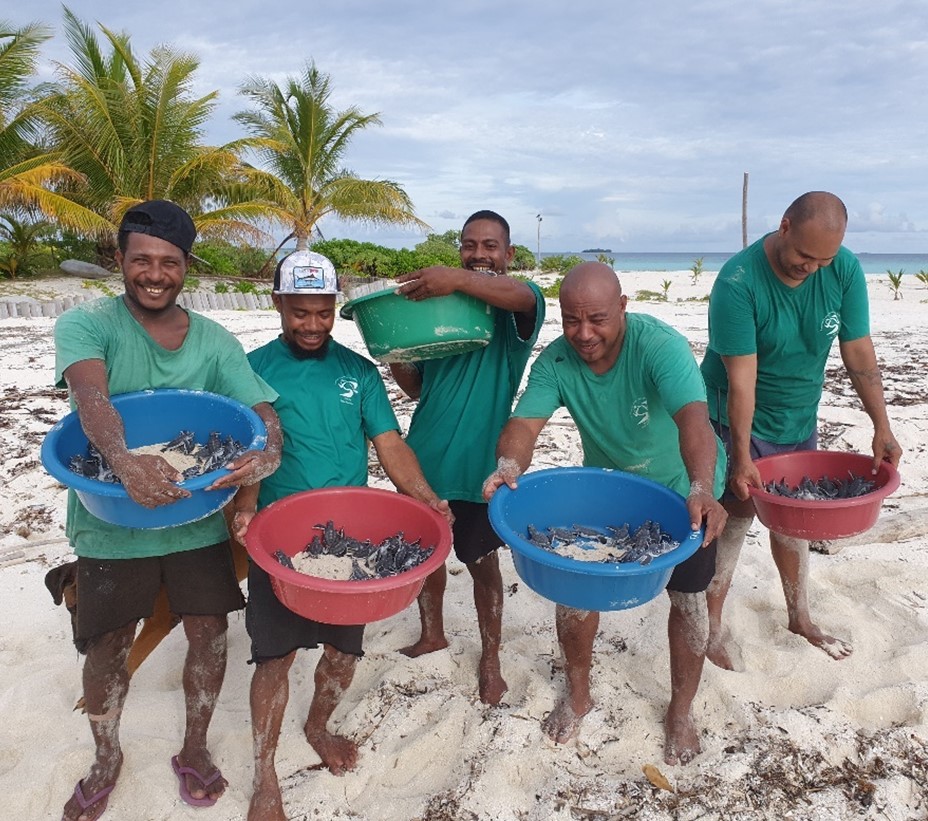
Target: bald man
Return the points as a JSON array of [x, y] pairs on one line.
[[774, 311], [632, 386]]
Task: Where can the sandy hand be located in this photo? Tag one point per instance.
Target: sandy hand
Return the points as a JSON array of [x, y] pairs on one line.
[[150, 480]]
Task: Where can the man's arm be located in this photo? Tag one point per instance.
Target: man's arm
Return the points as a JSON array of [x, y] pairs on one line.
[[402, 467], [409, 379], [499, 291], [860, 360], [513, 453], [742, 382], [255, 465], [699, 451], [148, 479]]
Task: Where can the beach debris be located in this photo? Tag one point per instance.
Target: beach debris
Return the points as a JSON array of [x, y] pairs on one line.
[[359, 560], [656, 777], [215, 453], [612, 544], [822, 489]]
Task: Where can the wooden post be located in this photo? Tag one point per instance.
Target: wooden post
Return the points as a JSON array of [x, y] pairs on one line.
[[744, 212]]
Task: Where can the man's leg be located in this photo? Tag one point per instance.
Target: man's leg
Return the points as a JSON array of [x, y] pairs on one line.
[[204, 670], [576, 630], [688, 633], [333, 676], [431, 602], [106, 682], [488, 599], [270, 691], [722, 650], [792, 560]]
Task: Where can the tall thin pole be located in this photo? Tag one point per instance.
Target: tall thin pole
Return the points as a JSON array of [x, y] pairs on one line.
[[538, 262], [744, 212]]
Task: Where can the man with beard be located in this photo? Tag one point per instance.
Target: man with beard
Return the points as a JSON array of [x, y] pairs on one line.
[[774, 313], [464, 401], [331, 402]]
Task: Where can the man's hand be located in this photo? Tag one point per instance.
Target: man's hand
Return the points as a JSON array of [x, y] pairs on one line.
[[885, 449], [703, 507], [444, 508], [743, 476], [429, 282], [507, 473], [241, 519], [150, 480], [248, 469]]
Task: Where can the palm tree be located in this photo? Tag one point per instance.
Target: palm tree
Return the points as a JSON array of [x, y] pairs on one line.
[[301, 140], [27, 173], [134, 131]]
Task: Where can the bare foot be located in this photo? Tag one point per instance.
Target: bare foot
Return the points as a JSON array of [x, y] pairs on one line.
[[201, 761], [423, 646], [103, 775], [491, 683], [338, 754], [266, 803], [563, 722], [836, 648], [681, 740], [723, 651]]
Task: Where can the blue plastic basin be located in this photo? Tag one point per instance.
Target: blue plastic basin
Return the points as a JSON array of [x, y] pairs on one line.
[[151, 417], [591, 497]]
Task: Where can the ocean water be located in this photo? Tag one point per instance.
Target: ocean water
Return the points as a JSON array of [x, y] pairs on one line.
[[678, 261]]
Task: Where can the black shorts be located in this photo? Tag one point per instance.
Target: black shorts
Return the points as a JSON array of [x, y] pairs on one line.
[[112, 593], [694, 575], [474, 536], [276, 631]]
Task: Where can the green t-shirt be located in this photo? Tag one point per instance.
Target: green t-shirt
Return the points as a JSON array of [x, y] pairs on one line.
[[210, 359], [791, 331], [464, 403], [625, 416], [326, 407]]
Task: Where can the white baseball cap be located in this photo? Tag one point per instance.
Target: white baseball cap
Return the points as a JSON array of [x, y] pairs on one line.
[[305, 272]]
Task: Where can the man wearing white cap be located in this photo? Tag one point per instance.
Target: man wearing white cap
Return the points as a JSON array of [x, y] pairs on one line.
[[331, 402]]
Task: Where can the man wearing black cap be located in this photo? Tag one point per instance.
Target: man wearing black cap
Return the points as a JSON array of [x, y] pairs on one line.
[[143, 340]]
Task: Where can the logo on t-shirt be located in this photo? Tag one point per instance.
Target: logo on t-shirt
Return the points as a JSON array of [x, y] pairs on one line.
[[831, 324], [347, 388], [640, 411]]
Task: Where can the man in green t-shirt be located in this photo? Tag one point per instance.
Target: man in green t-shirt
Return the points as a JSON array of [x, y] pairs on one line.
[[331, 401], [464, 401], [143, 340], [631, 385], [774, 312]]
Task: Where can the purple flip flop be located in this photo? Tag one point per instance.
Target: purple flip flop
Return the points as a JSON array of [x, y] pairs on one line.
[[181, 772], [87, 803]]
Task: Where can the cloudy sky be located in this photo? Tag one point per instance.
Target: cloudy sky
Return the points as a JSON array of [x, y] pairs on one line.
[[626, 124]]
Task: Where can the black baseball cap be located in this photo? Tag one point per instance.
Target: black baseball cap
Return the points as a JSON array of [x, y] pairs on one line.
[[163, 219]]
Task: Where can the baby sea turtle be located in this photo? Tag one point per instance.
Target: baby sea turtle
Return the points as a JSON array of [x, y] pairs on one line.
[[615, 544], [822, 489]]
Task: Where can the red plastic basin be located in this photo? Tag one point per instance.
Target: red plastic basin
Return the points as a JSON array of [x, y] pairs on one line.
[[363, 513], [826, 519]]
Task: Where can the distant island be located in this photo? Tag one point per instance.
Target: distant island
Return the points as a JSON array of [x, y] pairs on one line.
[[596, 251]]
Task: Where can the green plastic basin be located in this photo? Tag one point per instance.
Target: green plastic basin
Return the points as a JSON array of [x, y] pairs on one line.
[[396, 329]]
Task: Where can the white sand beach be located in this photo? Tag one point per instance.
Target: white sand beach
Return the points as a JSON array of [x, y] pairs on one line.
[[796, 735]]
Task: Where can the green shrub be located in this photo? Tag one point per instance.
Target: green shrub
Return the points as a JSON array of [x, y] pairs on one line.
[[221, 288], [191, 283], [560, 263], [244, 286], [645, 295], [554, 289], [222, 258], [523, 259]]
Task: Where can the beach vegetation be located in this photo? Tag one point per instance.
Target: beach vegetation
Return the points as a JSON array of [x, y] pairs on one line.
[[644, 295], [560, 263], [605, 259], [22, 250], [300, 141], [222, 258], [696, 270], [221, 288], [523, 259], [553, 291], [665, 288], [191, 283], [132, 129], [922, 277], [895, 282]]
